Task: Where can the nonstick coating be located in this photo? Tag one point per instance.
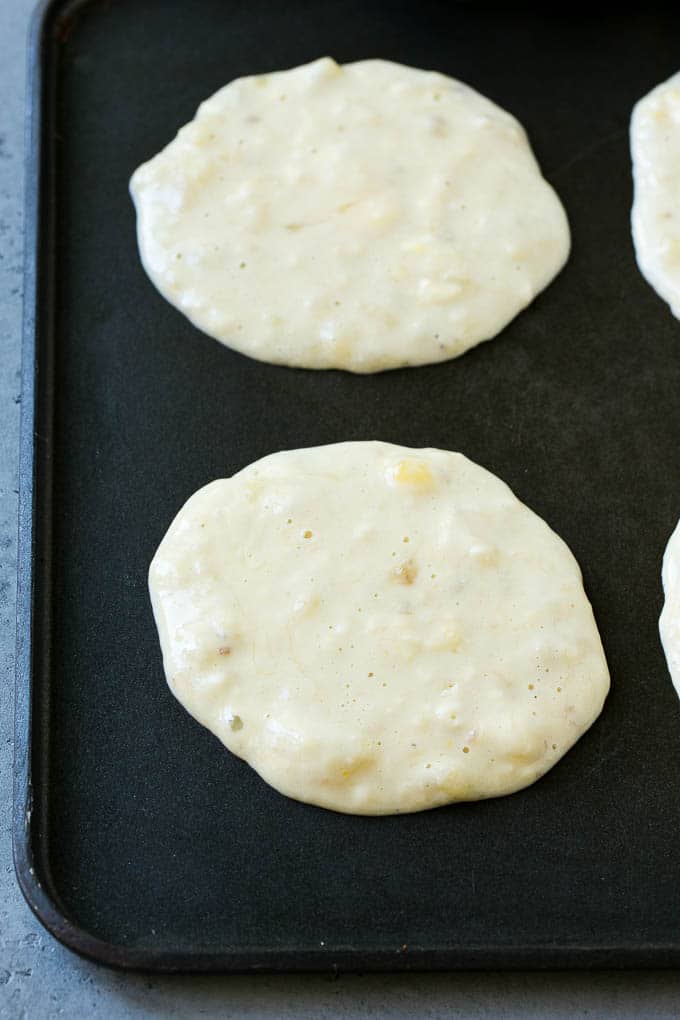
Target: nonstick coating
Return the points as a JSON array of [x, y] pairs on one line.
[[146, 833]]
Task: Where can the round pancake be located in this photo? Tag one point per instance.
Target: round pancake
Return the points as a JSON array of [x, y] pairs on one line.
[[377, 629], [361, 217], [669, 621], [655, 217]]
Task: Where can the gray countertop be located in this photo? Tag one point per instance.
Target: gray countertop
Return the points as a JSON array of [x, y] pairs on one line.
[[38, 977]]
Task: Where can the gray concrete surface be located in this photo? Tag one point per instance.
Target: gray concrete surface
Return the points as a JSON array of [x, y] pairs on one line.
[[40, 979]]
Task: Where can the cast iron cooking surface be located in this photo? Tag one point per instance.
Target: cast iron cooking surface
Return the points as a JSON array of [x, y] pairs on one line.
[[146, 834]]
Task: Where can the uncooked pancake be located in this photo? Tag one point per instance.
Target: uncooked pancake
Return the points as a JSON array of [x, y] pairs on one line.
[[377, 629], [655, 149], [669, 621], [360, 217]]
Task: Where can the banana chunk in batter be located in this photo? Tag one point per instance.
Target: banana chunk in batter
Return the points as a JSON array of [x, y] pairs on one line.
[[363, 217], [377, 629]]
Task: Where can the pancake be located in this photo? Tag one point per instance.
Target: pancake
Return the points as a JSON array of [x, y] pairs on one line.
[[362, 217], [377, 629], [669, 621], [655, 218]]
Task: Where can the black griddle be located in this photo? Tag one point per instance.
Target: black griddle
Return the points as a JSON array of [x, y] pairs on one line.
[[139, 840]]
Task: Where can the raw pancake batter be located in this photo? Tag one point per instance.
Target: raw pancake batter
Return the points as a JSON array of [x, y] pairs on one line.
[[655, 148], [360, 217], [377, 629], [669, 621]]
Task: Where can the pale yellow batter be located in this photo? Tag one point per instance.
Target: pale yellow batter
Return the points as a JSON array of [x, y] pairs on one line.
[[360, 217], [377, 629], [669, 621], [655, 149]]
